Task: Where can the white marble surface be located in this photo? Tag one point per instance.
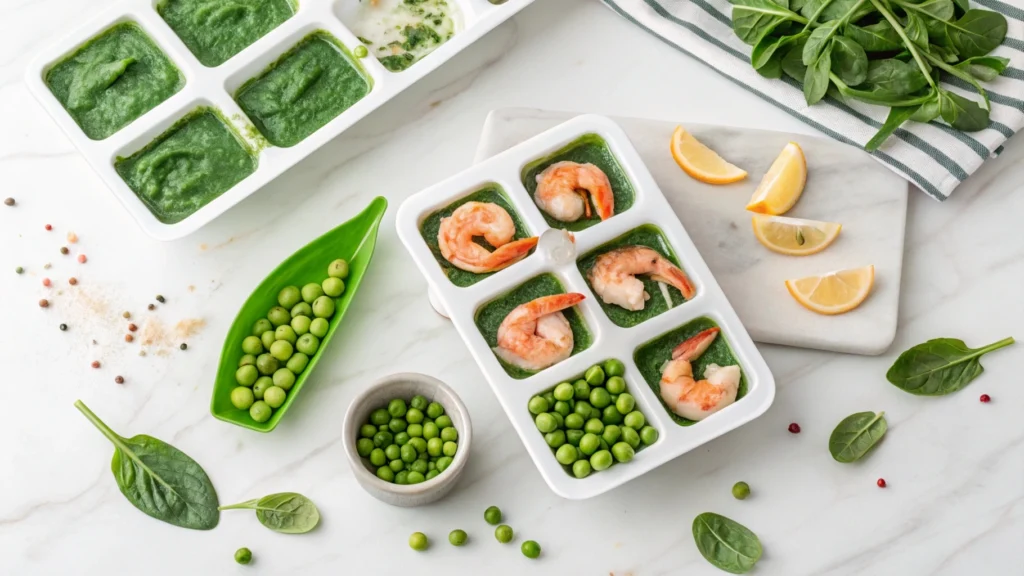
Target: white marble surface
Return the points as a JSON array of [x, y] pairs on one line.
[[955, 467]]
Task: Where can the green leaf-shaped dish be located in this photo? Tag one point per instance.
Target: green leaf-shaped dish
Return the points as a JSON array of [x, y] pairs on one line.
[[354, 241]]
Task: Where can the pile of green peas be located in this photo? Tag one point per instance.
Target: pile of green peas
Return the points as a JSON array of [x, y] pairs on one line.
[[281, 344], [408, 444], [592, 423]]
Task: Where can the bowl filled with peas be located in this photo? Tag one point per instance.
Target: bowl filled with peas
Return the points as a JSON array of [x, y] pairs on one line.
[[407, 439]]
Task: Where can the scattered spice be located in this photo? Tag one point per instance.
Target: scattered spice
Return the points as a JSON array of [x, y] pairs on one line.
[[160, 299], [82, 258], [46, 266], [44, 303], [19, 270], [9, 201], [95, 364], [132, 327], [46, 282], [151, 307], [881, 482], [72, 237], [142, 352], [985, 398], [64, 250], [119, 379], [72, 280], [794, 428], [63, 327], [48, 227], [126, 314], [183, 346], [128, 338]]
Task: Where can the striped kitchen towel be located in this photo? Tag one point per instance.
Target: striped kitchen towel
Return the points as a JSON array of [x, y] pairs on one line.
[[933, 156]]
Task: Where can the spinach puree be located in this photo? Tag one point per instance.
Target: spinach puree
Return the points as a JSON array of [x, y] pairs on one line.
[[216, 30], [186, 167], [113, 79], [650, 236], [306, 88], [589, 149], [651, 356], [430, 227], [493, 313]]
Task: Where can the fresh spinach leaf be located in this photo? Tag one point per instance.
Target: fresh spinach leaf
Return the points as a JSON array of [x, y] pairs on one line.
[[894, 77], [977, 33], [829, 10], [793, 61], [856, 435], [938, 9], [726, 544], [819, 39], [849, 61], [962, 5], [984, 68], [286, 512], [928, 111], [159, 479], [897, 116], [939, 367], [816, 80], [877, 37], [916, 30], [770, 48], [752, 20]]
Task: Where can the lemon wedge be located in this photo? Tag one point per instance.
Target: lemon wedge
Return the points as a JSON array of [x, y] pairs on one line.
[[794, 236], [835, 292], [701, 162], [783, 184]]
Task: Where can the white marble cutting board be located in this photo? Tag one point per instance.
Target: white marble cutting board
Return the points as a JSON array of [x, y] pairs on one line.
[[844, 185]]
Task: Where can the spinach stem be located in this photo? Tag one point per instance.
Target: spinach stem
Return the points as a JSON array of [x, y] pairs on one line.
[[903, 36], [100, 424], [1001, 344], [961, 75], [866, 96]]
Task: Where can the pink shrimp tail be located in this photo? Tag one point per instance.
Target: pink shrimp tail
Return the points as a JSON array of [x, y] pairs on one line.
[[511, 252], [695, 346], [554, 303], [678, 279]]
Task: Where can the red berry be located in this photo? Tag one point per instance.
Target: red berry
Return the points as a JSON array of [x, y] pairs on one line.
[[46, 282], [881, 482], [48, 227], [794, 428], [985, 398], [82, 258], [95, 364]]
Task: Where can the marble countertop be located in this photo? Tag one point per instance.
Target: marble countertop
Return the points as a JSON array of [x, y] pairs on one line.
[[954, 466]]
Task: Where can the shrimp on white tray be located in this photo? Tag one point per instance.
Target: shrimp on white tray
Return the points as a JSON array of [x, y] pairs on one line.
[[562, 190], [536, 334], [614, 276], [487, 220], [698, 399]]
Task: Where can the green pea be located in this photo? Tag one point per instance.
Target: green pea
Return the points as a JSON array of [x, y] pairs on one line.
[[381, 439], [252, 345], [261, 386], [530, 549], [408, 453], [622, 452], [274, 396], [268, 339], [397, 408], [267, 364], [386, 474], [289, 296], [396, 465], [611, 434], [594, 376], [457, 537], [537, 405], [432, 473], [581, 390], [402, 438], [601, 460], [333, 287], [297, 363], [415, 430], [262, 325], [449, 434], [278, 316], [282, 350], [443, 463], [740, 490], [300, 324], [242, 397], [599, 398], [443, 421], [583, 408], [625, 403], [246, 375], [573, 437], [604, 445], [503, 533], [367, 431], [492, 515], [318, 327], [545, 422], [338, 269], [434, 411], [383, 428], [615, 385], [310, 292], [307, 344], [630, 436], [611, 415], [260, 411], [419, 466], [559, 419], [430, 430], [419, 444], [419, 402], [284, 379], [589, 443], [286, 333], [414, 416], [555, 439], [243, 556], [323, 307], [247, 360], [550, 397], [393, 451], [593, 426], [614, 367], [379, 417], [635, 420], [562, 408], [418, 541], [434, 446], [364, 446], [566, 454], [574, 421], [564, 391], [397, 425], [302, 309], [449, 448], [648, 435], [581, 468]]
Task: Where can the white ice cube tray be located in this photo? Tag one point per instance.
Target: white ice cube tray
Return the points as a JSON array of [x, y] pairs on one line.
[[215, 87], [609, 340]]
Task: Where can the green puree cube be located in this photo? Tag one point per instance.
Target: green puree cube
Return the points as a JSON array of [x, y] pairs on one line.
[[216, 30], [306, 88], [113, 79], [195, 161]]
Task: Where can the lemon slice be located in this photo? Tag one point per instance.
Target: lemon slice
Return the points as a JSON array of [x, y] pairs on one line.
[[782, 186], [835, 292], [701, 162], [794, 236]]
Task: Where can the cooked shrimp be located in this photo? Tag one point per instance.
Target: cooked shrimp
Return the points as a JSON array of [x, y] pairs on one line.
[[614, 276], [698, 399], [562, 190], [536, 335], [492, 222]]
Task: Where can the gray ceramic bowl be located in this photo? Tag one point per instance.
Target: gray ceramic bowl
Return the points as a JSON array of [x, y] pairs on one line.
[[406, 385]]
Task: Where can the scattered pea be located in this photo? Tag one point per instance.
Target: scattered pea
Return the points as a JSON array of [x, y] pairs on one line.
[[418, 541], [492, 515], [360, 52], [530, 549], [457, 537], [243, 556], [503, 533], [740, 490]]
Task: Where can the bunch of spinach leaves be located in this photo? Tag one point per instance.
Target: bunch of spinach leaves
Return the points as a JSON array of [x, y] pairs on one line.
[[884, 52]]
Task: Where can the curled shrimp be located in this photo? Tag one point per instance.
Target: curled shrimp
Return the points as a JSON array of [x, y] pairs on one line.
[[536, 334], [698, 399], [614, 276], [487, 220], [562, 190]]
